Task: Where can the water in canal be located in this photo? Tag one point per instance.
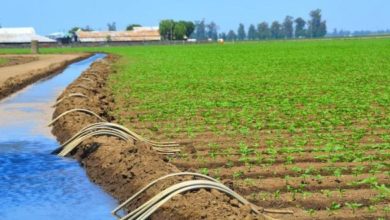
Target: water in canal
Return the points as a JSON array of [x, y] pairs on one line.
[[33, 183]]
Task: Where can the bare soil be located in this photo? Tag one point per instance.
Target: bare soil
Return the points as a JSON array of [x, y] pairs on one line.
[[122, 169], [30, 69]]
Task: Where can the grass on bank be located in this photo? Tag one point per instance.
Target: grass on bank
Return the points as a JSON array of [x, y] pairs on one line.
[[3, 61]]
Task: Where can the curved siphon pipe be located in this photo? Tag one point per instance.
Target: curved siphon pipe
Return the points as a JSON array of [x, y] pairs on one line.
[[67, 149], [93, 74], [76, 110], [82, 86], [81, 95], [86, 79], [121, 206], [154, 203], [104, 128]]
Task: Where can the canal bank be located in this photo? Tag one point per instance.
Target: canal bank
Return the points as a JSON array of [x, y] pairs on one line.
[[35, 184]]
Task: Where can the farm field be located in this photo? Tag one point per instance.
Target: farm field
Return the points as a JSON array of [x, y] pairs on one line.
[[297, 125]]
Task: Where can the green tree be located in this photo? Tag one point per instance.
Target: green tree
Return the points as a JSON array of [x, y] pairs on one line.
[[276, 30], [200, 30], [111, 26], [323, 30], [300, 30], [179, 32], [87, 28], [166, 29], [212, 31], [74, 30], [252, 33], [131, 27], [223, 36], [231, 36], [190, 27], [288, 29], [263, 30], [241, 35], [317, 27]]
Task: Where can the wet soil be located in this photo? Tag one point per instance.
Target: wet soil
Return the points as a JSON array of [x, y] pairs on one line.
[[122, 168]]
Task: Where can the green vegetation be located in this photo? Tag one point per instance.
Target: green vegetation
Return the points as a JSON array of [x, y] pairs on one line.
[[308, 87], [280, 103], [3, 61], [312, 117], [176, 30]]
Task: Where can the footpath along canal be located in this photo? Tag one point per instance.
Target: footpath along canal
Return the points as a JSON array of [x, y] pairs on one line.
[[35, 184]]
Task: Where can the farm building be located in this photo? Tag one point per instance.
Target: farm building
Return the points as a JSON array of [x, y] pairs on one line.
[[139, 34], [21, 36]]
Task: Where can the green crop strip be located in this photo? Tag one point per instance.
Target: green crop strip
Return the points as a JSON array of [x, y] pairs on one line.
[[3, 61]]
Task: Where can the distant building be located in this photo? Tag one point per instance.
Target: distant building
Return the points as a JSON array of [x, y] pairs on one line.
[[61, 37], [57, 35], [21, 35], [139, 34]]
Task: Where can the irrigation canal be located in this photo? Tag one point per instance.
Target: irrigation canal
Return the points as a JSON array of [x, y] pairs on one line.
[[33, 183]]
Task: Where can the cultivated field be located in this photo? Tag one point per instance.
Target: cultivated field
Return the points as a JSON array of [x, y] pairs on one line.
[[301, 125], [298, 125]]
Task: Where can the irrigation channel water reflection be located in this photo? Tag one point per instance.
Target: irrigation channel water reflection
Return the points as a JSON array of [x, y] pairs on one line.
[[33, 183]]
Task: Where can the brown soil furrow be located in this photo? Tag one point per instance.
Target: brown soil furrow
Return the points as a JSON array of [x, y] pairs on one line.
[[220, 146], [263, 131], [309, 183], [265, 134], [282, 170], [229, 161], [221, 151], [374, 212], [317, 200]]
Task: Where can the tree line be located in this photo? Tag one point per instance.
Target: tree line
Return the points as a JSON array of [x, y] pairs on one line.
[[315, 27], [346, 33], [290, 28]]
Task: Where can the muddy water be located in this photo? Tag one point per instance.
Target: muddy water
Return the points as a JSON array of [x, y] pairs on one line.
[[33, 183]]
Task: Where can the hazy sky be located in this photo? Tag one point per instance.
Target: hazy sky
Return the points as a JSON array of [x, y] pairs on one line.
[[50, 16]]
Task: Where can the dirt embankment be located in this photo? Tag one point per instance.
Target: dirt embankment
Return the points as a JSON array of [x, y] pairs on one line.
[[122, 168], [15, 77], [17, 60]]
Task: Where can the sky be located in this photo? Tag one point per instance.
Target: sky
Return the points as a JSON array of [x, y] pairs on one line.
[[48, 16]]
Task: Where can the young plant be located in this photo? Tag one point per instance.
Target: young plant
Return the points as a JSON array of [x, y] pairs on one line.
[[353, 206]]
